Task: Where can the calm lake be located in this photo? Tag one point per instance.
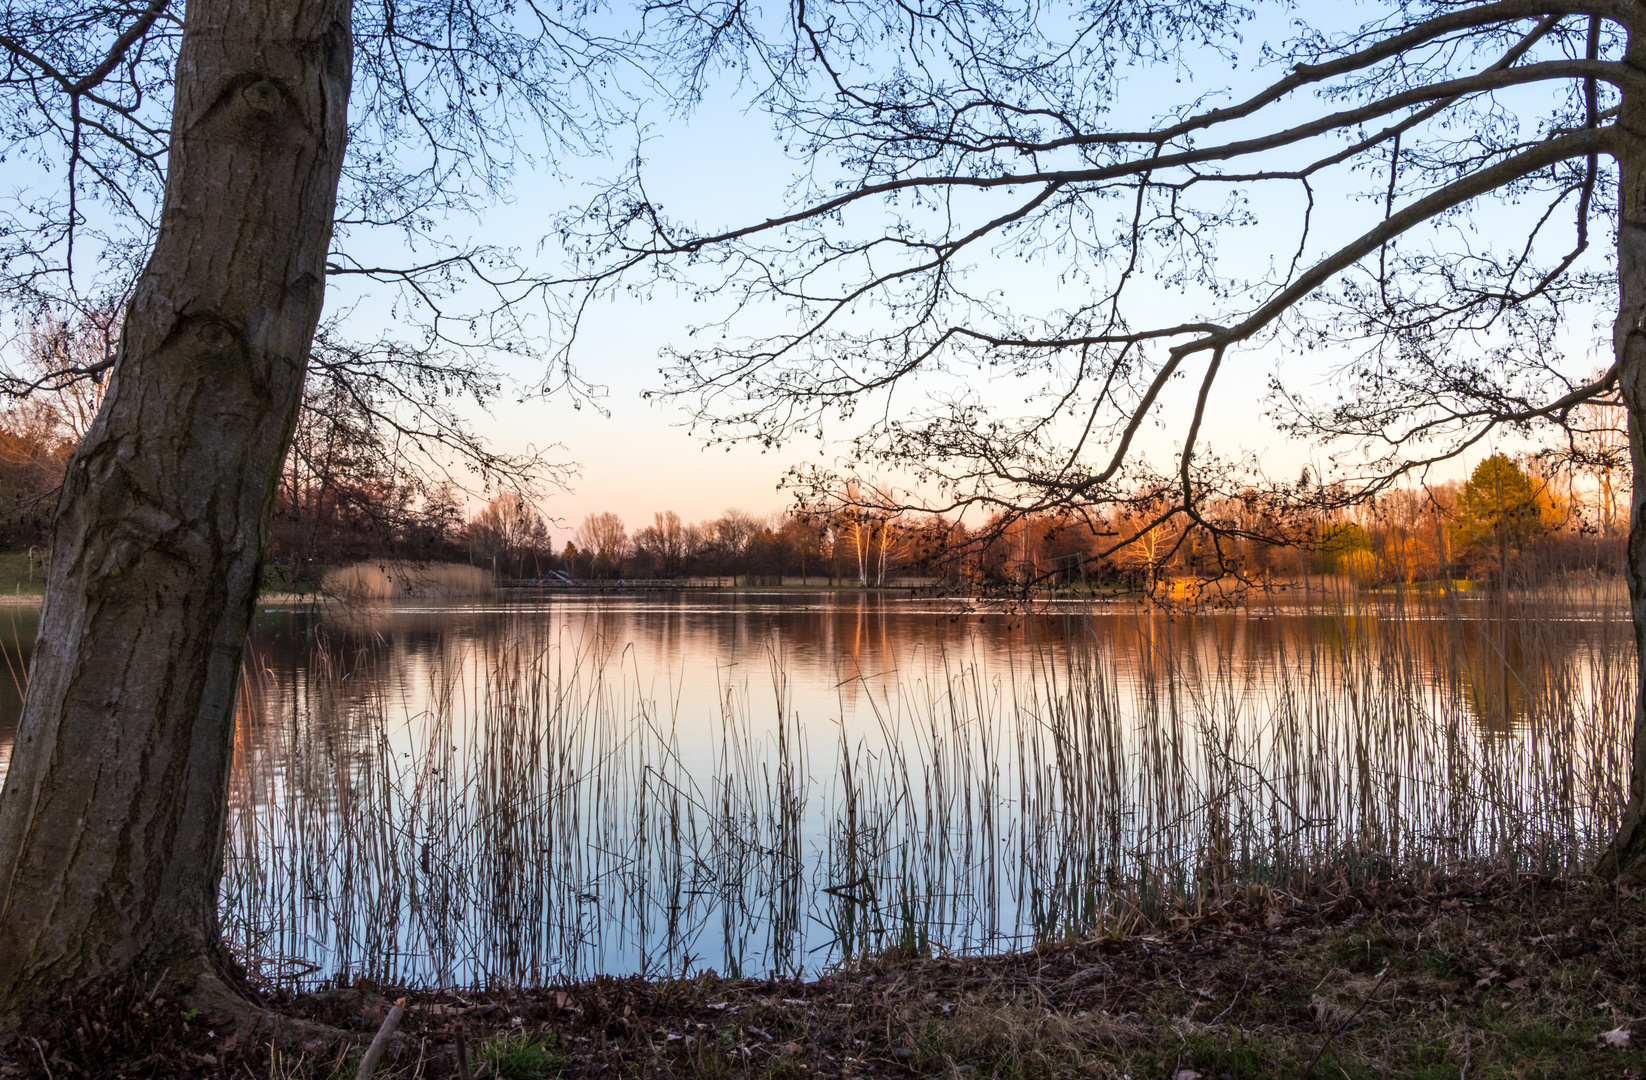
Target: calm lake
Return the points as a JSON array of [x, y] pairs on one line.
[[756, 782]]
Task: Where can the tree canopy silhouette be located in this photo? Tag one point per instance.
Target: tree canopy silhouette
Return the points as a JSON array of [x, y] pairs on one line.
[[212, 174], [1433, 204]]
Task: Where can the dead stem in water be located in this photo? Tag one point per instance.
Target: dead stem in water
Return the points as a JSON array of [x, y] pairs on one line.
[[535, 819]]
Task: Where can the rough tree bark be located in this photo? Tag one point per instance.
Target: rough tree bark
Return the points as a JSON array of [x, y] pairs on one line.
[[112, 818], [1626, 858]]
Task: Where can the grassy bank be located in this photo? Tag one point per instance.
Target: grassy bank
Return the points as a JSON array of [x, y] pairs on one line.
[[1493, 977]]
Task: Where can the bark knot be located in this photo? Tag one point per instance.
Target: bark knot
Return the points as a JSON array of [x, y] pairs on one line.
[[262, 96]]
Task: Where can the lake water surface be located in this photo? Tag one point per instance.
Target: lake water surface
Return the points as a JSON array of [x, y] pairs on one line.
[[752, 782]]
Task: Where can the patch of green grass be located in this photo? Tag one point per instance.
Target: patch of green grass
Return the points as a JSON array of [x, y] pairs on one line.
[[1367, 953], [1545, 1035], [1243, 1058], [523, 1056]]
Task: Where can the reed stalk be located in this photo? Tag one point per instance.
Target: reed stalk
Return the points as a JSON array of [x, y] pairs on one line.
[[525, 812]]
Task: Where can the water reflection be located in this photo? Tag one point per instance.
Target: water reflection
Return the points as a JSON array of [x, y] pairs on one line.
[[777, 782]]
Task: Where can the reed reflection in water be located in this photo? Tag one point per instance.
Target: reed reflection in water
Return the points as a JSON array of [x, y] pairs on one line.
[[507, 795]]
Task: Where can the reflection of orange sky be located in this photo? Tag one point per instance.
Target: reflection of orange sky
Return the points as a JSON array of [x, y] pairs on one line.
[[609, 713], [686, 651]]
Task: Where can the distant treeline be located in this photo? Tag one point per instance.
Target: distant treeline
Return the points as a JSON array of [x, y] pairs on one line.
[[347, 496], [1510, 521], [1504, 523]]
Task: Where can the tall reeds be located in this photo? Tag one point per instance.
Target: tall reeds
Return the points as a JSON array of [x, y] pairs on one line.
[[536, 812], [396, 579]]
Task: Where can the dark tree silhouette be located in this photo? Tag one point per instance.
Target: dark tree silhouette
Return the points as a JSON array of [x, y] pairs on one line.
[[214, 176], [1429, 200]]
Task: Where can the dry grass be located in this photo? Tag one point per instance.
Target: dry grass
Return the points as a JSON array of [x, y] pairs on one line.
[[392, 580], [536, 823], [1470, 978]]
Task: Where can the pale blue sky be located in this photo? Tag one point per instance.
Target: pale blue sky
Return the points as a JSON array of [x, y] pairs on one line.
[[721, 165]]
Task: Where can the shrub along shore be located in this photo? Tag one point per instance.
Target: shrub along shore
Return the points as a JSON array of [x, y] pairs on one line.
[[1463, 977]]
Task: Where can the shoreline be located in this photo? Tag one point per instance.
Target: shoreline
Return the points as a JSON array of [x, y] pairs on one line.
[[1494, 976], [1283, 592]]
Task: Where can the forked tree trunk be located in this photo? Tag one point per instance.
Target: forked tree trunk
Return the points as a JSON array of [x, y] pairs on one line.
[[112, 817], [1626, 859]]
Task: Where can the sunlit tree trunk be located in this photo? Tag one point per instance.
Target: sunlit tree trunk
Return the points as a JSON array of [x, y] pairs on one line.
[[1627, 856], [112, 817]]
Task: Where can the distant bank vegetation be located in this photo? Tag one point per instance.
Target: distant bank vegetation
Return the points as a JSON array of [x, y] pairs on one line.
[[352, 518], [396, 579]]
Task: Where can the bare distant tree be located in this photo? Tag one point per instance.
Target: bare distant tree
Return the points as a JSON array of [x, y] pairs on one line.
[[510, 533], [1596, 447], [729, 536], [1432, 197], [603, 538], [666, 543]]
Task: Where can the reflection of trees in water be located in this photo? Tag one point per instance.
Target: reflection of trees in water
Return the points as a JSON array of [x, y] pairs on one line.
[[1512, 663], [1505, 663], [841, 638], [1501, 661], [1062, 754]]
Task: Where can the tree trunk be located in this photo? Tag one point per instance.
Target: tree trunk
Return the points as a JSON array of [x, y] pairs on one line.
[[112, 817], [1626, 858]]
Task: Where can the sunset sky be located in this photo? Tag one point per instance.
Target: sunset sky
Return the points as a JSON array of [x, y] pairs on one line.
[[722, 165]]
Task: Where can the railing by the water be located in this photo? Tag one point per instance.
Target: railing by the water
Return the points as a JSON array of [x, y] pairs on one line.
[[556, 582]]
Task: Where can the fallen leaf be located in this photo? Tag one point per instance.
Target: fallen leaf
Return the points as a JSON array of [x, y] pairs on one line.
[[1185, 1074], [1518, 984], [1617, 1037]]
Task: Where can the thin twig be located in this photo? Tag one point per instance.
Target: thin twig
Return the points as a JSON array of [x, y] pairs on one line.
[[374, 1053], [1347, 1020]]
